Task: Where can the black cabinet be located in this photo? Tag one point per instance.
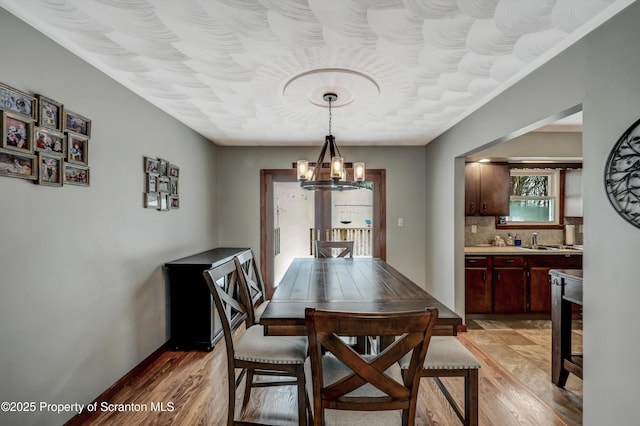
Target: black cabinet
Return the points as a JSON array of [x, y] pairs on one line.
[[194, 323]]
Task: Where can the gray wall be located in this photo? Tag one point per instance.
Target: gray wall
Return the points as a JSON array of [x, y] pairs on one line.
[[82, 292], [601, 73], [239, 172]]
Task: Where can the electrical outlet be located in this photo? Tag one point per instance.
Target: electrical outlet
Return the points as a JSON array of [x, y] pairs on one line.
[[400, 222], [474, 229], [580, 229]]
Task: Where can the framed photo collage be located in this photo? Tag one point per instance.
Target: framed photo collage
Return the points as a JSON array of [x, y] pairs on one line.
[[161, 184], [42, 141]]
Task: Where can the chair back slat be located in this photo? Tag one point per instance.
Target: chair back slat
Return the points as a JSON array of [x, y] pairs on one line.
[[325, 248], [251, 280], [412, 332]]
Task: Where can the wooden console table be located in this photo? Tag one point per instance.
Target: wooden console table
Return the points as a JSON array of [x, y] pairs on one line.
[[566, 290], [194, 323]]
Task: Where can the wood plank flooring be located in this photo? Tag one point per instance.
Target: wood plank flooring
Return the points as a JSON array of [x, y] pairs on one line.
[[192, 387]]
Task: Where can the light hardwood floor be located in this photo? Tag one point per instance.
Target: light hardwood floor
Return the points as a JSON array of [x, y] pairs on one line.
[[511, 354]]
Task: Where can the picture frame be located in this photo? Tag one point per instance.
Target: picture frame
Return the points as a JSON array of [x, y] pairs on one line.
[[150, 200], [173, 187], [152, 182], [174, 202], [76, 175], [151, 165], [50, 113], [163, 202], [74, 122], [174, 171], [17, 132], [18, 102], [77, 149], [163, 168], [164, 185], [49, 141], [18, 165], [51, 170]]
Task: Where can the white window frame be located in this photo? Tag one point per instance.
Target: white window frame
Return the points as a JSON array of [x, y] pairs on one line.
[[554, 193]]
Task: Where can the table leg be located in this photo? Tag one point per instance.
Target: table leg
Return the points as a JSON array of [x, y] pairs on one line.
[[561, 333]]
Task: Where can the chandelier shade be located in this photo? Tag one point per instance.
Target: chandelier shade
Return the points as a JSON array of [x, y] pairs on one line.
[[317, 177]]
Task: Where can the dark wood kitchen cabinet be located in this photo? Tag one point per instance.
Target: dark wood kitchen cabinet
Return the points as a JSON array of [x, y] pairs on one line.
[[194, 322], [540, 280], [478, 292], [486, 189], [509, 284], [512, 284]]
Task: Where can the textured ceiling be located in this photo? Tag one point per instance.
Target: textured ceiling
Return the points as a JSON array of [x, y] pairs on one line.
[[253, 72]]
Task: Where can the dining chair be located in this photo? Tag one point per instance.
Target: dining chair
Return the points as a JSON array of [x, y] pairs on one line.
[[325, 248], [251, 279], [253, 351], [348, 388], [447, 357]]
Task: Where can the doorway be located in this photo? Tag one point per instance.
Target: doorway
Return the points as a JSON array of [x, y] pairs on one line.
[[291, 218]]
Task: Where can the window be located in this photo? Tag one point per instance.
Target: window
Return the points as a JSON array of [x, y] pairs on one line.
[[534, 197]]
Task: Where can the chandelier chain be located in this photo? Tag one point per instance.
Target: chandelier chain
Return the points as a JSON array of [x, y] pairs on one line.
[[330, 115]]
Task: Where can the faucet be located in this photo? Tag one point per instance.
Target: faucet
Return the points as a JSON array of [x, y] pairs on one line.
[[534, 240]]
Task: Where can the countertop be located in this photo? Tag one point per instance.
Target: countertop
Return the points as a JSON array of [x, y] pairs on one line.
[[518, 251]]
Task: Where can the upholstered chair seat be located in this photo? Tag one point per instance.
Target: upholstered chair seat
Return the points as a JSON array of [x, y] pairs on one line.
[[254, 346]]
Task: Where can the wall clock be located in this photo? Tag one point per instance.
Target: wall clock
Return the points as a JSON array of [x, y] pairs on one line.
[[622, 175]]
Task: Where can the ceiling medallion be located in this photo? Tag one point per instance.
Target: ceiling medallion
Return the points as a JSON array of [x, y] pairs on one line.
[[353, 88], [622, 175], [314, 178]]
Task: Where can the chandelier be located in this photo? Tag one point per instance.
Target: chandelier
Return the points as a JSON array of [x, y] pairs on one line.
[[311, 177]]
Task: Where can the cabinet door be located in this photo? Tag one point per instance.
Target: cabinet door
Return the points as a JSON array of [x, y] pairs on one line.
[[477, 290], [494, 189], [573, 193], [472, 189], [509, 290], [486, 189], [540, 289]]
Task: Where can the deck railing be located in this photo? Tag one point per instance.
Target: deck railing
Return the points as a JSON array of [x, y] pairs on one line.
[[361, 237]]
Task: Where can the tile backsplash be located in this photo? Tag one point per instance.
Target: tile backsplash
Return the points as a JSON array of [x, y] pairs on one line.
[[486, 232]]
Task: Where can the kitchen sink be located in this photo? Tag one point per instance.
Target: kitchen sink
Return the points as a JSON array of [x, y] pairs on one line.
[[551, 247]]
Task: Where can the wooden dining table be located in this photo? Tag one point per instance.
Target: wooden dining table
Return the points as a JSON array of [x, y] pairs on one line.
[[352, 285]]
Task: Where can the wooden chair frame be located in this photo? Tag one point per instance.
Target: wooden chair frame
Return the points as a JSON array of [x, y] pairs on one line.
[[230, 300], [324, 329], [323, 248], [468, 415], [251, 279], [447, 357]]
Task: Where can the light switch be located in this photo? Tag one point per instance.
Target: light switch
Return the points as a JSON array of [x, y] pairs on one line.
[[400, 221]]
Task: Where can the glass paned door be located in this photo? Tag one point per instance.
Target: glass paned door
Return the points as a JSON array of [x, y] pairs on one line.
[[301, 217], [293, 217]]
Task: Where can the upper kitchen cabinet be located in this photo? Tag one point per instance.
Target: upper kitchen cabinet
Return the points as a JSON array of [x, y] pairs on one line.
[[486, 189], [573, 193]]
